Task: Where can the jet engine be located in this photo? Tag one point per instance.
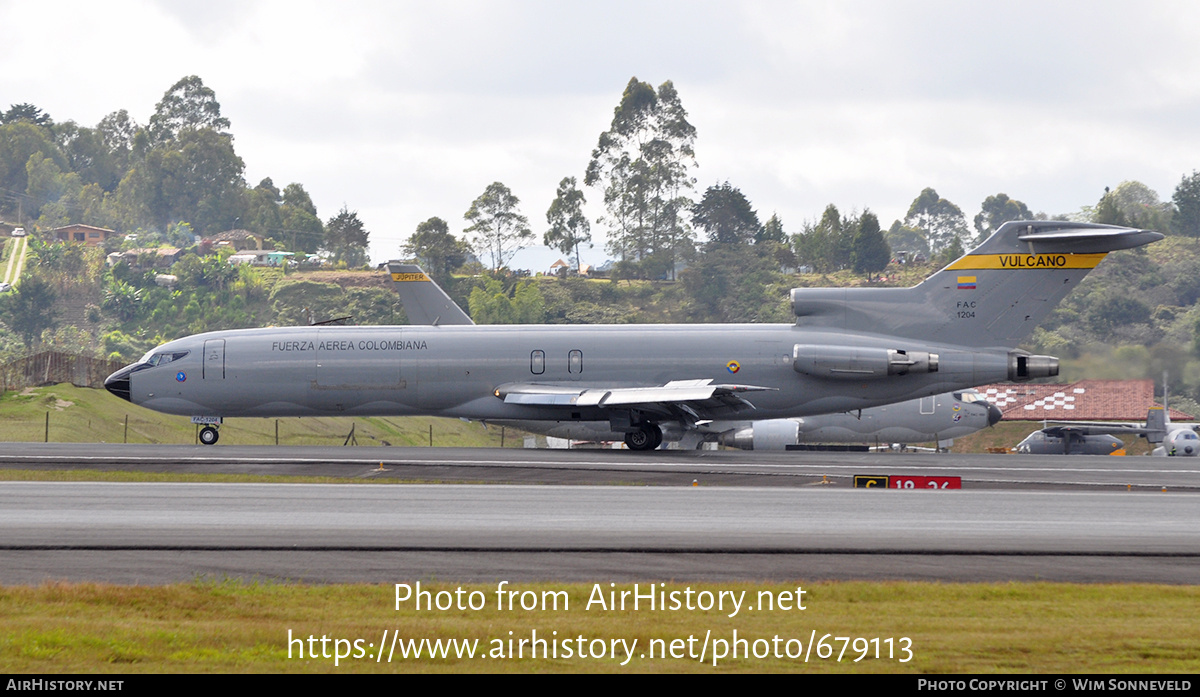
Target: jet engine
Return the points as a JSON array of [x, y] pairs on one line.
[[856, 363], [769, 434], [1023, 366]]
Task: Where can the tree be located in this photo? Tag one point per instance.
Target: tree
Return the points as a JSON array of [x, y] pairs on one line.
[[1139, 206], [262, 214], [569, 227], [30, 310], [726, 216], [188, 104], [122, 299], [1186, 198], [438, 251], [900, 237], [642, 163], [87, 155], [197, 178], [939, 220], [997, 210], [828, 244], [346, 238], [18, 142], [27, 113], [1107, 212], [490, 304], [47, 183], [871, 252], [300, 224], [772, 231], [119, 133], [498, 228]]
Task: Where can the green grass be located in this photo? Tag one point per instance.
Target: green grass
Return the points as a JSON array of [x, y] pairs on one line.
[[83, 415], [230, 626]]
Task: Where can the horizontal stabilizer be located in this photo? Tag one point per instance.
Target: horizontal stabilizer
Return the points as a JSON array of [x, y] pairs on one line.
[[993, 296]]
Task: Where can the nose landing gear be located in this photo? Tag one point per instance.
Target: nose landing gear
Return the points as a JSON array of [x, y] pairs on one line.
[[209, 435]]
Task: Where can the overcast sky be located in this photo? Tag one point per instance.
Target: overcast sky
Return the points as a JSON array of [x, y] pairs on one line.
[[403, 111]]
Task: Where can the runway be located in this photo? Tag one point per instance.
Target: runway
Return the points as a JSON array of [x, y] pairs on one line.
[[156, 533], [724, 468]]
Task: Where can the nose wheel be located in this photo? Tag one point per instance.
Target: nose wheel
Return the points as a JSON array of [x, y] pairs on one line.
[[209, 435]]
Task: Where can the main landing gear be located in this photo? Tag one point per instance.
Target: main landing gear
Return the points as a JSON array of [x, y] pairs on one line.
[[209, 435], [644, 436]]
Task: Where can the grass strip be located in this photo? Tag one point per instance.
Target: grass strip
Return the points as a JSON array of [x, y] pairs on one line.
[[235, 626]]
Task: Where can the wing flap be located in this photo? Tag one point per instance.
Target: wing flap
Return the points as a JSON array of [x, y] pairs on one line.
[[698, 396]]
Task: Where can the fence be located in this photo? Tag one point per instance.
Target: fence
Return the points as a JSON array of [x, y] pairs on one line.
[[53, 367]]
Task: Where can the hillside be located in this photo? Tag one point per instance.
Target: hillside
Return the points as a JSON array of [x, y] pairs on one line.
[[83, 415]]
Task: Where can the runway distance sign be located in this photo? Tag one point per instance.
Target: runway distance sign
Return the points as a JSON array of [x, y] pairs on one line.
[[909, 482], [870, 481]]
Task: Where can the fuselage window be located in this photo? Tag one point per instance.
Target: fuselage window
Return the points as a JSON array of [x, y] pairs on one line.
[[575, 361], [537, 362]]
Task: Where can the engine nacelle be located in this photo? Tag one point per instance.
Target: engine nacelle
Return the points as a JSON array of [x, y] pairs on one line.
[[770, 434], [856, 363], [1023, 366]]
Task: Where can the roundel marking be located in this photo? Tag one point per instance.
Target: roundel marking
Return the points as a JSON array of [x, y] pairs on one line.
[[181, 376], [733, 366]]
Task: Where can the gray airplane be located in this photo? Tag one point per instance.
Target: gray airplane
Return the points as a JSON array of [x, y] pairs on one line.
[[940, 418], [1069, 440], [1094, 437], [849, 349]]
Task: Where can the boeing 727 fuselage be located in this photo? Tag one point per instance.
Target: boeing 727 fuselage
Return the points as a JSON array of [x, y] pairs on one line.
[[850, 348]]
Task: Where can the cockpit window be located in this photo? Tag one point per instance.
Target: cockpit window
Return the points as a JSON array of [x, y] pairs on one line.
[[969, 397], [165, 357]]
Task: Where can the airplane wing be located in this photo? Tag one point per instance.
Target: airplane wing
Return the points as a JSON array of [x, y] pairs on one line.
[[691, 400], [1092, 428]]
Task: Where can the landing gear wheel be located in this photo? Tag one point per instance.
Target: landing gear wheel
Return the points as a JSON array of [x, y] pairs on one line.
[[644, 437], [209, 435]]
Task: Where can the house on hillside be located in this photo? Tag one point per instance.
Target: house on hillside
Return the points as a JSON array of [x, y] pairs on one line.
[[261, 257], [161, 257], [240, 240], [87, 234]]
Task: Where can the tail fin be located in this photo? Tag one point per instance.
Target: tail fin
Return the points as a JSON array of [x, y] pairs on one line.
[[424, 301], [1157, 421], [993, 296]]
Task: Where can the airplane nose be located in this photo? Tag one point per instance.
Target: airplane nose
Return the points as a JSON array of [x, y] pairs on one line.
[[994, 414], [118, 382]]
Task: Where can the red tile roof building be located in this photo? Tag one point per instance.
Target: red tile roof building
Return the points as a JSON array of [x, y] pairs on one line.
[[1086, 400]]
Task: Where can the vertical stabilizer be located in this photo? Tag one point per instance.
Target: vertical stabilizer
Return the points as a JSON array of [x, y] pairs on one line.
[[993, 296], [1156, 424], [424, 301]]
